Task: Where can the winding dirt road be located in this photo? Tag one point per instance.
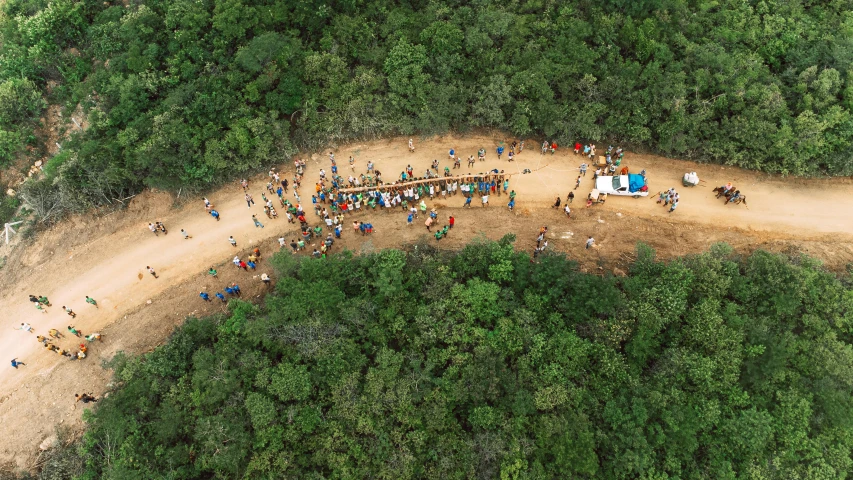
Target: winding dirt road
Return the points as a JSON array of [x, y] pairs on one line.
[[105, 257]]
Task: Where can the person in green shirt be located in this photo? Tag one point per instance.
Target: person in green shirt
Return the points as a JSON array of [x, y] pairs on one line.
[[44, 301], [91, 301], [438, 234], [512, 195], [212, 272], [318, 230]]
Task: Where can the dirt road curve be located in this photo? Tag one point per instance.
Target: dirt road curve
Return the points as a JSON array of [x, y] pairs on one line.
[[105, 257]]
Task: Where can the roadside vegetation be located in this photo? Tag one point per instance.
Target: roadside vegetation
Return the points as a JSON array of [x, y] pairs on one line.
[[180, 94], [481, 364]]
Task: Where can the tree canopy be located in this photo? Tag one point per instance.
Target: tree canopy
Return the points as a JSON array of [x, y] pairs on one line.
[[482, 364], [188, 92]]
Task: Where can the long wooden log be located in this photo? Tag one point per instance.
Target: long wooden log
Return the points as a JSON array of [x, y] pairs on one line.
[[436, 179]]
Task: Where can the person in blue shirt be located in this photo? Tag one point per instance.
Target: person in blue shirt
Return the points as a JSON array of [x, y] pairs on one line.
[[204, 296], [511, 204], [334, 169], [467, 202], [363, 227], [236, 289], [452, 153], [220, 296], [337, 231], [409, 220], [500, 152], [251, 264], [323, 197], [214, 214], [230, 291]]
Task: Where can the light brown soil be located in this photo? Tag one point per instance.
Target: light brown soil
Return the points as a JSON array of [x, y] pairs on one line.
[[105, 257]]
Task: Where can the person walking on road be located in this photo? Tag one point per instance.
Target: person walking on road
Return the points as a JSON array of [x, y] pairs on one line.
[[16, 363], [232, 241], [185, 234], [69, 311], [258, 224], [249, 201], [26, 327], [578, 182], [151, 271], [74, 331], [91, 301], [214, 214]]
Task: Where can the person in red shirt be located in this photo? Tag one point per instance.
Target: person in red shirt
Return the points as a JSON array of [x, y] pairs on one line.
[[451, 221], [577, 147], [553, 148]]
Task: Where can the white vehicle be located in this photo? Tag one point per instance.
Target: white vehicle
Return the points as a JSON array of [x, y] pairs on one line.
[[631, 184]]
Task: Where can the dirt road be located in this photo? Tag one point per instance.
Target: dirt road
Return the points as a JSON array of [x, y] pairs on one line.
[[105, 257]]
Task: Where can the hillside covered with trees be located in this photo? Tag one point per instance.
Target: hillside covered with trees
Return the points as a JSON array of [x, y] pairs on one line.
[[182, 93], [482, 364]]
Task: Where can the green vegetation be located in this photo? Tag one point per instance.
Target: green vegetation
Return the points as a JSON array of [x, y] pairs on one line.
[[481, 364], [182, 93]]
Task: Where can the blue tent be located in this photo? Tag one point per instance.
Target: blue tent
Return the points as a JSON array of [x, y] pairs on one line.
[[636, 182]]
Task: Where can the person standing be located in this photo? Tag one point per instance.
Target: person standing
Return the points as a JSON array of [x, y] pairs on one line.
[[411, 146], [220, 296], [571, 197], [249, 201], [236, 289], [500, 151], [583, 169], [674, 205], [589, 242], [428, 224], [185, 234], [578, 182], [451, 221], [485, 200], [232, 241], [91, 301], [204, 296], [69, 311], [258, 224], [409, 219], [557, 202], [214, 214], [568, 211], [153, 229], [152, 272]]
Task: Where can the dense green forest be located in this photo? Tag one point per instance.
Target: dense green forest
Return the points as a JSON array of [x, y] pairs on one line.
[[482, 364], [182, 93]]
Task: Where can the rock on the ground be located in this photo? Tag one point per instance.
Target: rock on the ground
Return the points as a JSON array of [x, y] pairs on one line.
[[47, 443]]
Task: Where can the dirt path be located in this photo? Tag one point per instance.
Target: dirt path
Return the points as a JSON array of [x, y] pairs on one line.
[[106, 257]]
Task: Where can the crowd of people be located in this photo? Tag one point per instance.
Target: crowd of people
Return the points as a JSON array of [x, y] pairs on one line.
[[53, 342]]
